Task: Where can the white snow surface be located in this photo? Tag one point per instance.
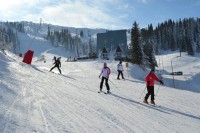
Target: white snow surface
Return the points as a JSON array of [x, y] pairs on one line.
[[32, 99]]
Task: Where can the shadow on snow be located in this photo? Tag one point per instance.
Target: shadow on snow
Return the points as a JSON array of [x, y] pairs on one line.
[[160, 108]]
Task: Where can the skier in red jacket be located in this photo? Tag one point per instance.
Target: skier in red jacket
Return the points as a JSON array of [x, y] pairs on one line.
[[150, 86]]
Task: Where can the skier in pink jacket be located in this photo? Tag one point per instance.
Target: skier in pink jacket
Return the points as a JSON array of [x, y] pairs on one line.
[[105, 72], [150, 78]]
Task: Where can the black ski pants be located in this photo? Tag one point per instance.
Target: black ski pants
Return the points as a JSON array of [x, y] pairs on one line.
[[150, 91], [106, 82], [120, 73], [55, 67]]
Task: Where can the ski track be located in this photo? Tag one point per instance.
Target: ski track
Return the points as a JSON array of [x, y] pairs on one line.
[[86, 118], [58, 99], [10, 111], [69, 106], [112, 119]]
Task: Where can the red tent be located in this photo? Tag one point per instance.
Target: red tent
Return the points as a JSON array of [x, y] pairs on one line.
[[28, 57]]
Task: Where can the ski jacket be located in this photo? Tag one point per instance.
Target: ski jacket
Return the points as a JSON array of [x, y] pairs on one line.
[[57, 63], [150, 78], [120, 67], [105, 72]]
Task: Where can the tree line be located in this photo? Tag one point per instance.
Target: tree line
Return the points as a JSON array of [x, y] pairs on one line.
[[9, 36], [74, 43], [182, 35]]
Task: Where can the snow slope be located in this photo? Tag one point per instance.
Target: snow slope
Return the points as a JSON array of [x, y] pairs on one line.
[[35, 100], [32, 99]]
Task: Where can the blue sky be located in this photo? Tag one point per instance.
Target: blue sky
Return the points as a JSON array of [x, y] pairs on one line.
[[109, 14]]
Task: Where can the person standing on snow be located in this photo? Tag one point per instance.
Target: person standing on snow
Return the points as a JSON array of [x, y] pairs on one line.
[[150, 78], [120, 70], [105, 75], [57, 64]]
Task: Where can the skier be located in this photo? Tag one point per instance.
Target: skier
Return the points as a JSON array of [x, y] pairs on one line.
[[120, 70], [3, 50], [105, 75], [57, 64], [150, 86]]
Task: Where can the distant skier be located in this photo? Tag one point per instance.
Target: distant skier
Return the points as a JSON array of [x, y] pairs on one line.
[[120, 70], [57, 64], [105, 76], [150, 86], [3, 50]]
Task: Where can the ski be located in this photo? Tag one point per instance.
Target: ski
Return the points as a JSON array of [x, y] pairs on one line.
[[156, 106], [107, 92], [55, 73], [153, 105], [104, 92]]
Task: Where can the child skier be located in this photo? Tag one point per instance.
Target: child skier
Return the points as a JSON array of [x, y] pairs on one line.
[[57, 64], [150, 86], [120, 70], [105, 75]]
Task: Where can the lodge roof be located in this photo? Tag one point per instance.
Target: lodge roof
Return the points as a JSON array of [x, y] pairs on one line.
[[118, 49]]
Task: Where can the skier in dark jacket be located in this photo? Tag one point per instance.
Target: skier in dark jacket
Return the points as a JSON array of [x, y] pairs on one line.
[[57, 64], [105, 72], [150, 78]]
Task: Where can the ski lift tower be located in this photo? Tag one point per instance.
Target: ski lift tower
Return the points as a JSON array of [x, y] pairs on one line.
[[29, 54]]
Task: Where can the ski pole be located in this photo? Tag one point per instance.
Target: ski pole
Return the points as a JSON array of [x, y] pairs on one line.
[[62, 70], [113, 84], [157, 90], [143, 92]]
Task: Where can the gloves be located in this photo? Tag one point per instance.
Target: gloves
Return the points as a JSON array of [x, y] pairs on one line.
[[148, 82], [161, 82]]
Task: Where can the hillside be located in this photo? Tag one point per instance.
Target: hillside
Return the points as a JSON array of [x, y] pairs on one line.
[[35, 100], [32, 99]]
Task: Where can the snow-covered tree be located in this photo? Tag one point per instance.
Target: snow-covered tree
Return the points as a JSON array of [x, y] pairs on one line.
[[137, 50]]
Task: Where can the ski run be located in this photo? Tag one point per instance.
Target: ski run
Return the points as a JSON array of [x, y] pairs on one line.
[[32, 99]]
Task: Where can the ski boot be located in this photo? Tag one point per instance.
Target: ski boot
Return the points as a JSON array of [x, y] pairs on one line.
[[100, 91], [152, 102], [145, 101]]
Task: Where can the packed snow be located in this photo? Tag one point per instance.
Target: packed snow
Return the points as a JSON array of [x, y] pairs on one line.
[[32, 99]]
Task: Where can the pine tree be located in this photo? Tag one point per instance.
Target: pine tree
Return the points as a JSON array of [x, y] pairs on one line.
[[48, 33], [81, 33], [90, 46], [137, 50], [150, 55]]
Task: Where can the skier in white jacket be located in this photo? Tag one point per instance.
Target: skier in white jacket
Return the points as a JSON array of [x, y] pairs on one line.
[[120, 70]]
